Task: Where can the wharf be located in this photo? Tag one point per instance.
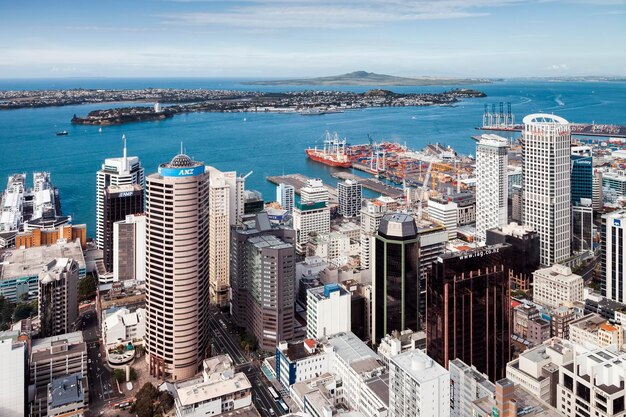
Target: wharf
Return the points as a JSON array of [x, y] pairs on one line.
[[372, 184], [298, 181], [577, 129]]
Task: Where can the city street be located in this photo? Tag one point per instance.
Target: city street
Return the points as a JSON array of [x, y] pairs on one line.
[[226, 341]]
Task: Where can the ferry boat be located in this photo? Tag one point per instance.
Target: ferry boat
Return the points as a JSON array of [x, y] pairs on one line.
[[62, 133], [333, 154]]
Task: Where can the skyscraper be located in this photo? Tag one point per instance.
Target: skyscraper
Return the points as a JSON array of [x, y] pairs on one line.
[[546, 175], [119, 201], [263, 279], [177, 268], [58, 296], [115, 171], [129, 248], [581, 178], [468, 309], [492, 184], [312, 214], [285, 195], [371, 215], [614, 256], [350, 195]]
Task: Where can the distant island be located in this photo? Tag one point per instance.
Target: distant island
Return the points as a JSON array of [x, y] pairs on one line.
[[361, 78]]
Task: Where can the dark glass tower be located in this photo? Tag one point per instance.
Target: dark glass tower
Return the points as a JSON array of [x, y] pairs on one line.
[[582, 178], [119, 201], [468, 309]]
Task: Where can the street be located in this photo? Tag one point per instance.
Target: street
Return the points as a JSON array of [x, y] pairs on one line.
[[226, 341]]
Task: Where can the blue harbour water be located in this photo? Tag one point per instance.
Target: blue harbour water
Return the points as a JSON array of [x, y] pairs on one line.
[[266, 143]]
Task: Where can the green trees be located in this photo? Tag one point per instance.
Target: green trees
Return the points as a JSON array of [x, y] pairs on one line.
[[87, 288], [149, 402]]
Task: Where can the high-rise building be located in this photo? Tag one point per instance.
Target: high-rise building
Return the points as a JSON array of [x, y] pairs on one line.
[[402, 254], [314, 192], [557, 286], [525, 243], [115, 171], [418, 386], [262, 274], [547, 184], [614, 256], [310, 218], [177, 268], [582, 226], [14, 365], [327, 311], [597, 191], [222, 215], [467, 385], [58, 296], [581, 178], [492, 184], [119, 201], [286, 197], [129, 248], [350, 195], [371, 214], [445, 213], [469, 310]]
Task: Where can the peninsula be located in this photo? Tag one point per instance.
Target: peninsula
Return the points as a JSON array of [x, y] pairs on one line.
[[364, 78], [305, 103]]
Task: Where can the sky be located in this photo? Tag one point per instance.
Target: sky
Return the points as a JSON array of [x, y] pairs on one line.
[[301, 38]]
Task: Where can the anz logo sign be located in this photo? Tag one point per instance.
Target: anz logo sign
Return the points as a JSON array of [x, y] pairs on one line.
[[181, 172], [185, 172]]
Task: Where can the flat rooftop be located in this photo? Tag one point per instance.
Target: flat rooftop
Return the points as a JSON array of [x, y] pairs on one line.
[[419, 366], [205, 391], [350, 348], [18, 263], [65, 390]]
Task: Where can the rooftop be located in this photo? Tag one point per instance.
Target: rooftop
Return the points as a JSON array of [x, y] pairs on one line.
[[419, 366], [18, 263], [65, 390], [214, 388], [350, 348], [590, 323]]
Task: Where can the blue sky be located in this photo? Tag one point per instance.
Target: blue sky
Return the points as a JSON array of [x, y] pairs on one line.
[[280, 38]]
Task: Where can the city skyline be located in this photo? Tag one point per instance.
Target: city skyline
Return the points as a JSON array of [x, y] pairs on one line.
[[291, 38]]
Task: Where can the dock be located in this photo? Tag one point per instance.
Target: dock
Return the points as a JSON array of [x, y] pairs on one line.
[[372, 184], [298, 181]]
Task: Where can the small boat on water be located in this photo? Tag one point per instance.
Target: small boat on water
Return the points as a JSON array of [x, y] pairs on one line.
[[62, 133], [100, 130]]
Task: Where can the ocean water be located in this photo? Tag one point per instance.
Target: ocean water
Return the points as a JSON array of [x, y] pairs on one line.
[[267, 144]]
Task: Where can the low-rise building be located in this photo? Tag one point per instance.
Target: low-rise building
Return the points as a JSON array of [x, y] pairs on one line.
[[14, 366], [595, 331], [560, 319], [328, 311], [512, 400], [300, 361], [66, 396], [218, 390], [557, 286], [120, 326]]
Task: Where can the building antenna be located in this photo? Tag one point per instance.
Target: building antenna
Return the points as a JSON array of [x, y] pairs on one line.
[[124, 155], [181, 147]]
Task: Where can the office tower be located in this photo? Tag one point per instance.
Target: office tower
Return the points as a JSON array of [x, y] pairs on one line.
[[547, 185], [222, 214], [350, 195], [115, 171], [328, 311], [129, 248], [525, 243], [445, 213], [614, 256], [517, 199], [582, 226], [119, 201], [581, 178], [58, 296], [466, 386], [177, 268], [492, 184], [252, 202], [314, 192], [371, 214], [13, 387], [262, 273], [468, 309], [557, 286], [401, 256], [309, 217], [418, 386], [597, 191], [285, 195]]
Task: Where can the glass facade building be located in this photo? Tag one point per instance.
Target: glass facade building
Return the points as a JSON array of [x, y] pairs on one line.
[[581, 178]]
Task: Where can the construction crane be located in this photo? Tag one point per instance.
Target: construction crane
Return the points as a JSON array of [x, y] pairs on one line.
[[423, 192]]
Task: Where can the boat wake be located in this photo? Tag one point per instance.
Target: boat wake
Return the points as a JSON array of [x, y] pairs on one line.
[[559, 101]]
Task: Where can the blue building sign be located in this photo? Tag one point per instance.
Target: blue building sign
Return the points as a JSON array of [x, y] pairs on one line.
[[181, 172]]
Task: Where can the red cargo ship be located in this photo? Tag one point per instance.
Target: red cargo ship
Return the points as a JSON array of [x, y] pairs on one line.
[[333, 154]]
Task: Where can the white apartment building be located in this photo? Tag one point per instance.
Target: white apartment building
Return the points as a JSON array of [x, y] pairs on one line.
[[418, 386], [314, 192], [115, 171], [614, 255], [466, 386], [286, 197], [492, 184], [557, 286], [371, 215], [397, 343], [593, 384], [120, 326], [13, 362], [333, 247], [350, 195], [328, 311], [218, 390], [300, 361], [308, 218], [546, 189], [129, 248], [444, 213], [537, 369], [594, 331]]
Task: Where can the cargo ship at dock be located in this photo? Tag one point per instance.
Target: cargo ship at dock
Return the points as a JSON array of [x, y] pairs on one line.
[[333, 154]]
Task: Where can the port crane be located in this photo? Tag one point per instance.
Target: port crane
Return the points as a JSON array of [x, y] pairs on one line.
[[423, 191]]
